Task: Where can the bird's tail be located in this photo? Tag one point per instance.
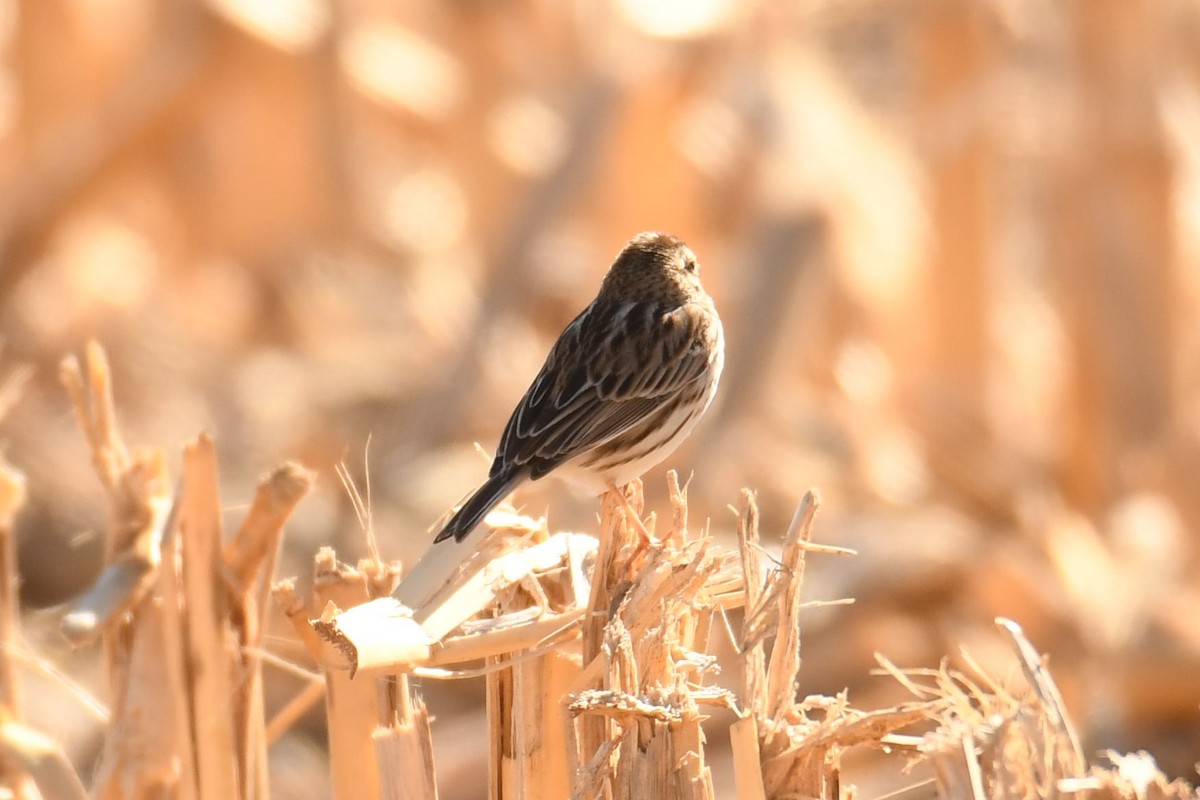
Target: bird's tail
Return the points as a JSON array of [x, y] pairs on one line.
[[494, 489]]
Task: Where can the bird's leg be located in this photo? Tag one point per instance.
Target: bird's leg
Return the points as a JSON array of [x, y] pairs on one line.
[[631, 514]]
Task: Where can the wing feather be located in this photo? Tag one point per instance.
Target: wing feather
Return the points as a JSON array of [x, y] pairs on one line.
[[601, 379]]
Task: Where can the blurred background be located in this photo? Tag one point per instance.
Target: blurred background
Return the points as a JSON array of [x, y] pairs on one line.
[[954, 243]]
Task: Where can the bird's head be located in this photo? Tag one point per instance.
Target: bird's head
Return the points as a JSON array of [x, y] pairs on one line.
[[654, 267]]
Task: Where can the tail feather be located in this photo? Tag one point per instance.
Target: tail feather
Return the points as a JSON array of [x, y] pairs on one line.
[[472, 512]]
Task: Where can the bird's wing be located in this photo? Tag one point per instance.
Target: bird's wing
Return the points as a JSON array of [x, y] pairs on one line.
[[610, 369]]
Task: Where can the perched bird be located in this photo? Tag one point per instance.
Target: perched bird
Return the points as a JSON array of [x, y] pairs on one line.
[[625, 383]]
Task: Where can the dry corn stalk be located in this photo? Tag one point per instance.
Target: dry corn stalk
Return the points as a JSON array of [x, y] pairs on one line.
[[29, 758], [991, 741], [12, 497], [637, 696], [784, 746], [250, 558], [175, 613], [148, 747], [612, 634], [352, 707], [512, 600], [402, 746], [638, 705]]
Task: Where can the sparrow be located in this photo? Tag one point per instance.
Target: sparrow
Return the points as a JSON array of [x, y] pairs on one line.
[[622, 387]]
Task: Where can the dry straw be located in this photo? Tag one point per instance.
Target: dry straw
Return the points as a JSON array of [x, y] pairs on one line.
[[595, 652]]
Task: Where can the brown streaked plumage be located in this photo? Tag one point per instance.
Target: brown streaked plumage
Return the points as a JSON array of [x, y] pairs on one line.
[[625, 383]]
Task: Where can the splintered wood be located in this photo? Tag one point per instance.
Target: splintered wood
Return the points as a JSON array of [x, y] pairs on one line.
[[992, 742], [180, 621], [514, 603], [645, 642], [139, 502], [353, 709], [596, 657], [596, 652]]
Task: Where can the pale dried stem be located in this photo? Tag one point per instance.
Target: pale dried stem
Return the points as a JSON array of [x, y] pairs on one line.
[[352, 707], [753, 655], [28, 752], [91, 397], [298, 613], [784, 671], [249, 560], [1047, 691], [256, 542], [148, 747], [30, 758], [747, 759], [211, 644], [174, 662], [139, 500], [127, 579], [637, 716], [12, 497], [498, 700], [403, 752], [679, 508], [616, 542]]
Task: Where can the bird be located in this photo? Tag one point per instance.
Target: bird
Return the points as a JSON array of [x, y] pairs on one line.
[[623, 385]]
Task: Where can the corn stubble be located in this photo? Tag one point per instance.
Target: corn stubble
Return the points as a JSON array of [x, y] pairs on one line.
[[594, 650]]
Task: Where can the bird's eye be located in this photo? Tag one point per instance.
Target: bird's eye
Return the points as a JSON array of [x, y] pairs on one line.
[[691, 266]]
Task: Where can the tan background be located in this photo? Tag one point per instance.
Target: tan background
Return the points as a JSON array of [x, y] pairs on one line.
[[954, 243]]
